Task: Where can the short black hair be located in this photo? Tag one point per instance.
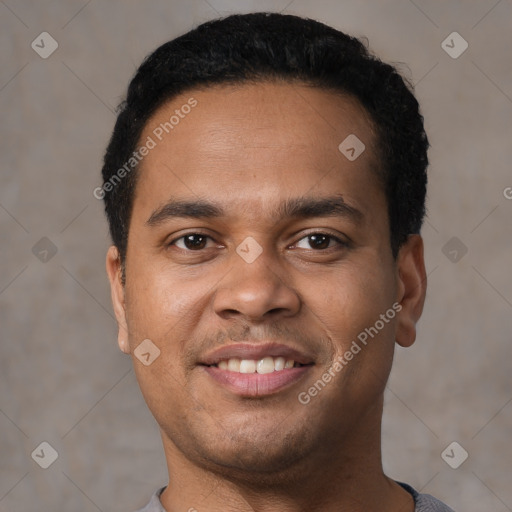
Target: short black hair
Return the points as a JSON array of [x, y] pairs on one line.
[[269, 46]]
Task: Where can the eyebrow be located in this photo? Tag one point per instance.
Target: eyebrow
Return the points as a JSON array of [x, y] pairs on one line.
[[299, 207]]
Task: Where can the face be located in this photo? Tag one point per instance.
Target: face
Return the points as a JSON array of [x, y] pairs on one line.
[[253, 237]]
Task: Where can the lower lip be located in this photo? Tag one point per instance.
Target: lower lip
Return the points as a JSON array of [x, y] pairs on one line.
[[256, 384]]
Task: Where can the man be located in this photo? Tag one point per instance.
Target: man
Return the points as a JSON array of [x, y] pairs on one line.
[[265, 188]]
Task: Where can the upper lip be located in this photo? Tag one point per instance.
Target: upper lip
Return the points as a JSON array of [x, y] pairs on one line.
[[255, 351]]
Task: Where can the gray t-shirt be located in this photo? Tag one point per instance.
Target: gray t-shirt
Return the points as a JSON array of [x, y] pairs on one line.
[[424, 502]]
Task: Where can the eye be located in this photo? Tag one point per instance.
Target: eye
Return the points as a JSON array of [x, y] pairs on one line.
[[191, 241], [319, 241]]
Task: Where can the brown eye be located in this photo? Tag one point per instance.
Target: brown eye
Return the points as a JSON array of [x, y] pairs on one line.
[[319, 241], [192, 241]]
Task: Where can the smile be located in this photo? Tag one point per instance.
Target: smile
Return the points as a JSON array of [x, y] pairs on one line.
[[262, 366], [245, 380]]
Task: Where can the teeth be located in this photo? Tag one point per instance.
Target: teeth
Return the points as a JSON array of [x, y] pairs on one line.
[[247, 366], [234, 365], [279, 363], [266, 365]]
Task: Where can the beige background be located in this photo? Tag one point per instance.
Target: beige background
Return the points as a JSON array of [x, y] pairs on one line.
[[62, 378]]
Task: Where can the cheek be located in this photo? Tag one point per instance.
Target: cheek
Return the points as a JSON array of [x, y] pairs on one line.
[[163, 309], [161, 303], [363, 343], [351, 301], [163, 390]]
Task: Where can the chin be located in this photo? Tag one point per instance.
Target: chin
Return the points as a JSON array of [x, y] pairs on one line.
[[256, 452]]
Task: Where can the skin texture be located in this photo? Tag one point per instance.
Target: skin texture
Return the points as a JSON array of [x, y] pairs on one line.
[[248, 148]]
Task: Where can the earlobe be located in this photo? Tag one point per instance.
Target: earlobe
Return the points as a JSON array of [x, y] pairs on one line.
[[123, 344], [114, 272], [412, 287]]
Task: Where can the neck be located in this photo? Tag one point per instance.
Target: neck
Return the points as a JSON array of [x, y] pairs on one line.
[[341, 474]]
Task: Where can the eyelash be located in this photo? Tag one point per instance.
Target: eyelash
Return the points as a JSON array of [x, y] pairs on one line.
[[340, 242]]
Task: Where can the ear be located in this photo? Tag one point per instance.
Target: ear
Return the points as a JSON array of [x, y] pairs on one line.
[[412, 287], [114, 272]]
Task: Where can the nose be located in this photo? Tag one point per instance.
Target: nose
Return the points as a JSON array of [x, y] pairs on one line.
[[256, 291]]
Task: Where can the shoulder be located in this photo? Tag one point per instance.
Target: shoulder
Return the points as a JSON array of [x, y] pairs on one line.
[[154, 504], [426, 502]]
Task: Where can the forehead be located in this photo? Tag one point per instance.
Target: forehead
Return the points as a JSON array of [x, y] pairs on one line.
[[250, 143]]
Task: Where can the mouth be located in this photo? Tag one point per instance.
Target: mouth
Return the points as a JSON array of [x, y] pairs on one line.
[[267, 364], [257, 370]]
